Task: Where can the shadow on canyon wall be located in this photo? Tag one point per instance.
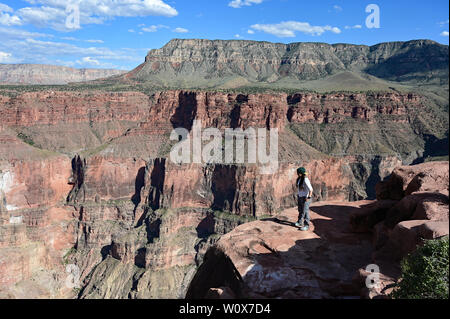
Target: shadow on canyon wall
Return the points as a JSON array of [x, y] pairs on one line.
[[77, 180], [223, 186], [433, 147], [138, 185], [186, 111], [157, 177]]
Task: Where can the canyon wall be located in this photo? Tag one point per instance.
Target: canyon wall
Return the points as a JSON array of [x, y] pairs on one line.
[[361, 124], [213, 108], [85, 179]]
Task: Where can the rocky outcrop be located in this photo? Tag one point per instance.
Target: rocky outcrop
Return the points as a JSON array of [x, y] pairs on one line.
[[405, 180], [50, 74], [273, 259], [106, 213], [413, 206]]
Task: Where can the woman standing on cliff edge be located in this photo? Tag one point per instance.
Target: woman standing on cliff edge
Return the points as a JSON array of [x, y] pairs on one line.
[[304, 195]]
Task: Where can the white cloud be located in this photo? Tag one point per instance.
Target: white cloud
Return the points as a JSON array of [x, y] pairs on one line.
[[5, 57], [29, 50], [52, 13], [154, 28], [95, 41], [6, 18], [237, 36], [12, 33], [250, 31], [288, 29], [445, 34], [356, 26], [130, 8], [87, 60], [5, 8], [443, 23], [88, 41], [20, 46], [131, 30], [240, 3], [337, 8], [52, 17], [41, 16], [181, 30]]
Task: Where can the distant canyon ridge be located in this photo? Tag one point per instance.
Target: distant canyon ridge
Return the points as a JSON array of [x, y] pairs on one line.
[[50, 74], [196, 63]]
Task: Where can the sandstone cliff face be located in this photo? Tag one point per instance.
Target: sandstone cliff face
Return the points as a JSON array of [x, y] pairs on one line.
[[36, 229], [126, 123], [221, 110], [134, 125], [50, 74], [241, 190], [51, 108]]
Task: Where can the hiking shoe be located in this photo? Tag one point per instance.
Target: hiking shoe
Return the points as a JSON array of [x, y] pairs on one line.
[[297, 224], [304, 228]]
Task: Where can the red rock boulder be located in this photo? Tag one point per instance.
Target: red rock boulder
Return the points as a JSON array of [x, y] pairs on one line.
[[405, 180]]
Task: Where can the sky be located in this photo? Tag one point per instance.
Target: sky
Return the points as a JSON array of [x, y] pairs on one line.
[[119, 33]]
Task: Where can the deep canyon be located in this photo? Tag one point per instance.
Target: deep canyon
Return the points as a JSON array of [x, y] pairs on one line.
[[86, 179]]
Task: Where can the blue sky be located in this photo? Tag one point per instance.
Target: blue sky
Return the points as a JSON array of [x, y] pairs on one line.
[[119, 33]]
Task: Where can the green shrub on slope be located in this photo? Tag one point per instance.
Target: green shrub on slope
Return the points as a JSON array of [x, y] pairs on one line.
[[425, 272]]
